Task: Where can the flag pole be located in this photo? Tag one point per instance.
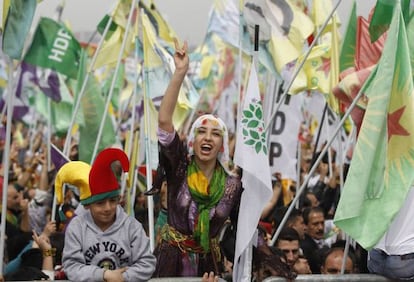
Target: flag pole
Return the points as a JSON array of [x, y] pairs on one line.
[[48, 156], [133, 192], [149, 169], [247, 256], [315, 149], [131, 147], [6, 162], [240, 83], [82, 91], [298, 167], [295, 74], [134, 141], [49, 133], [341, 185], [151, 225], [111, 90], [134, 176], [242, 269], [314, 166]]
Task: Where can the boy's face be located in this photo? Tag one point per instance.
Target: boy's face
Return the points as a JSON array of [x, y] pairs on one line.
[[103, 212]]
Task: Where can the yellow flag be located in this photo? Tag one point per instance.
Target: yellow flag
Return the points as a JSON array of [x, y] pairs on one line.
[[6, 5], [301, 27], [321, 9], [159, 65], [206, 66], [334, 72], [283, 52], [108, 55], [165, 32], [284, 23], [317, 68], [132, 167]]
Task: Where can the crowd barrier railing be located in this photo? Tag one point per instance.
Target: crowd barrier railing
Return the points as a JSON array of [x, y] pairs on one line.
[[363, 277]]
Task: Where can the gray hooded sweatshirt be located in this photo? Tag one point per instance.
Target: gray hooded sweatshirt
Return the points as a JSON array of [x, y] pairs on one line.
[[89, 250]]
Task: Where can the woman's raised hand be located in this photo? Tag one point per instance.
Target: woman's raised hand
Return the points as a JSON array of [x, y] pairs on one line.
[[181, 59]]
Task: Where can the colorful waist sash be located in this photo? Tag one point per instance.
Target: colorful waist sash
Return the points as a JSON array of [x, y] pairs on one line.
[[186, 243]]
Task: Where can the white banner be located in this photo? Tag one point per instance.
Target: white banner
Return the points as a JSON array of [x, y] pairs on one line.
[[283, 137]]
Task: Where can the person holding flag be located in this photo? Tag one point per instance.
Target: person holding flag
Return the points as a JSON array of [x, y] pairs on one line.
[[203, 192]]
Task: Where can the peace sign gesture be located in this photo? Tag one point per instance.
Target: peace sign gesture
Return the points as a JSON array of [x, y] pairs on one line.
[[181, 59]]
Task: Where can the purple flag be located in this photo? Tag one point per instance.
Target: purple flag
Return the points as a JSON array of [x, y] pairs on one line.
[[57, 157], [48, 82], [20, 108]]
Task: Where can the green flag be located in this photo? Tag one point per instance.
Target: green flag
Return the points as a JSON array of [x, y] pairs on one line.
[[102, 25], [118, 86], [54, 47], [410, 35], [17, 26], [382, 168], [381, 18], [347, 56], [61, 112], [93, 107]]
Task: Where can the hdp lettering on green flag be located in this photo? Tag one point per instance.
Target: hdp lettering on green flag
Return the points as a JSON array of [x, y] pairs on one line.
[[93, 107], [382, 169], [17, 19], [54, 47]]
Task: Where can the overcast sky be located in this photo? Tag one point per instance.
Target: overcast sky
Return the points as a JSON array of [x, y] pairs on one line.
[[187, 17]]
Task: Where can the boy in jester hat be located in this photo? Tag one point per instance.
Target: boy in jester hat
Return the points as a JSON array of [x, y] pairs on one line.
[[102, 243]]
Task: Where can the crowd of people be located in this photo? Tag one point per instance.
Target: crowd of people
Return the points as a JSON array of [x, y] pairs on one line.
[[197, 193]]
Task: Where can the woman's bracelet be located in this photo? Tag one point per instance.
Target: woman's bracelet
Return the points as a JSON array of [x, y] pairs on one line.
[[49, 252]]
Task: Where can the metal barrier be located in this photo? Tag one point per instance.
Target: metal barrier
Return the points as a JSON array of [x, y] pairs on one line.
[[301, 278], [362, 277], [176, 279]]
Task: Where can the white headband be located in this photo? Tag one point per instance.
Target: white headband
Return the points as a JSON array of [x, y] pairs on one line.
[[223, 156]]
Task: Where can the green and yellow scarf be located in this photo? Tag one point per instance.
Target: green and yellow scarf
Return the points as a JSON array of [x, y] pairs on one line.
[[206, 195]]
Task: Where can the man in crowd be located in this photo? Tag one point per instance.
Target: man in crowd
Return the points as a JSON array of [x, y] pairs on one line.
[[332, 262], [314, 237], [288, 243]]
